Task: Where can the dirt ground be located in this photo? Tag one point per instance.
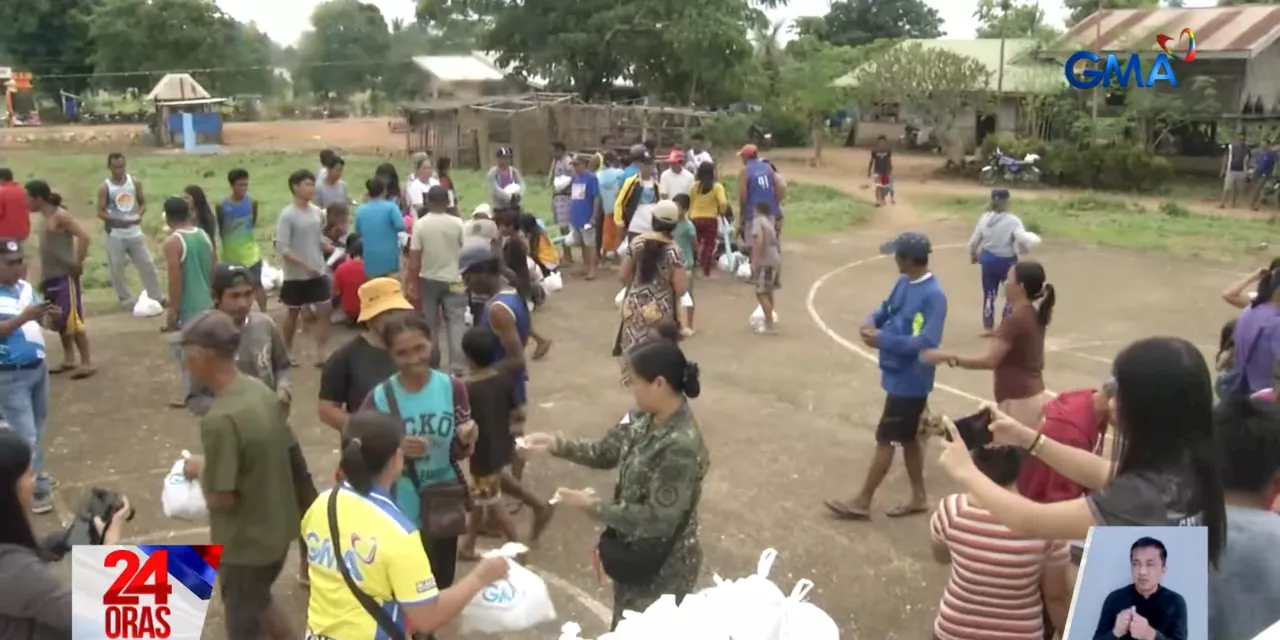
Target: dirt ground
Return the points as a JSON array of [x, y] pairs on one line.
[[789, 419], [369, 135]]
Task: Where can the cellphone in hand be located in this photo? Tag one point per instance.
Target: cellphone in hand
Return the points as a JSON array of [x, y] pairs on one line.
[[975, 429]]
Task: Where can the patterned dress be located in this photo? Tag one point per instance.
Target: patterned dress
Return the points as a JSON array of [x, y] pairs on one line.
[[560, 200], [648, 304]]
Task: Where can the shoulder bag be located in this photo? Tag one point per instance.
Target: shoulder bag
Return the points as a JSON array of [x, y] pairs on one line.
[[379, 615], [442, 507], [638, 563]]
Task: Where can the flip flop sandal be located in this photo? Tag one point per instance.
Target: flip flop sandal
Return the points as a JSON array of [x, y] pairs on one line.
[[905, 510], [81, 373], [469, 557], [541, 351], [845, 513], [62, 368]]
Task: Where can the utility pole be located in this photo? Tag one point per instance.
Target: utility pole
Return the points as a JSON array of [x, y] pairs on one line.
[[1097, 41], [1004, 15]]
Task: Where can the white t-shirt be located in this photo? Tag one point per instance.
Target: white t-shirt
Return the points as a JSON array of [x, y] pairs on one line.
[[672, 183], [416, 192], [699, 158]]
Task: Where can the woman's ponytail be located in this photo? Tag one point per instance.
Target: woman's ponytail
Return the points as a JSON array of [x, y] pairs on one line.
[[55, 199], [1044, 311], [692, 384], [369, 443]]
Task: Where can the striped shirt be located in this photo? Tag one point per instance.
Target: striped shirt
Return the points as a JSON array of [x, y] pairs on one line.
[[994, 590]]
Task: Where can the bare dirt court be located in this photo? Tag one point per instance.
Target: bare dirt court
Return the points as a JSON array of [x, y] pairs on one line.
[[370, 135], [788, 419]]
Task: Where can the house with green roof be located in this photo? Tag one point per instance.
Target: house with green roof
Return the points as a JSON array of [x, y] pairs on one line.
[[1025, 75]]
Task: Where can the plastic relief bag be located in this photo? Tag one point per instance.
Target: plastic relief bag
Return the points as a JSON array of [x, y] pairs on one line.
[[519, 602], [622, 295], [272, 277], [145, 307], [744, 269], [181, 497], [756, 319], [804, 620], [553, 282]]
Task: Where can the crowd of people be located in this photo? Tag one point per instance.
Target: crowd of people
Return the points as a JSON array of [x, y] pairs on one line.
[[431, 407]]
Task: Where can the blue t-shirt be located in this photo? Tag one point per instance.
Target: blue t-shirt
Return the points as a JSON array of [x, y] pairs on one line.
[[524, 325], [426, 414], [649, 194], [582, 198], [761, 187], [610, 181], [379, 223], [25, 345], [1265, 163]]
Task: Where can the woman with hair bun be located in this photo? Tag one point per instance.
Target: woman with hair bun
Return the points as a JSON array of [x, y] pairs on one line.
[[650, 543], [397, 589], [1016, 352]]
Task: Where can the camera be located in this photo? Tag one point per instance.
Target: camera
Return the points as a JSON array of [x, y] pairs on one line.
[[101, 504], [975, 430]]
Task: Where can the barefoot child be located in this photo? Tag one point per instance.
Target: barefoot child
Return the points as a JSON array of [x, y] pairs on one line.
[[495, 409], [686, 237], [766, 261]]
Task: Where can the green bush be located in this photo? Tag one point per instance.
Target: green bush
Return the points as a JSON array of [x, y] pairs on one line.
[[729, 130], [1119, 166]]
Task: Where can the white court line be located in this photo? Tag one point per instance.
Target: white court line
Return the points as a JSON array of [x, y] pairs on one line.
[[859, 351], [597, 608]]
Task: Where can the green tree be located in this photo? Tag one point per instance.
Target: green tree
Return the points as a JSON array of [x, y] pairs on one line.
[[49, 38], [1081, 9], [1009, 19], [585, 44], [854, 23], [346, 50], [936, 85], [807, 83], [1232, 3], [162, 35], [250, 52]]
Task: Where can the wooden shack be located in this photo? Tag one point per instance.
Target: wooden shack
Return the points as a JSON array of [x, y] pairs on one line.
[[177, 94], [469, 130]]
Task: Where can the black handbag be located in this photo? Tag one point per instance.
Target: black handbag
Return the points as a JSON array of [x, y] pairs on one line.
[[385, 622], [638, 563]]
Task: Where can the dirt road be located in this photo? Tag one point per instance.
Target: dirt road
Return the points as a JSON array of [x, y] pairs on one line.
[[788, 419]]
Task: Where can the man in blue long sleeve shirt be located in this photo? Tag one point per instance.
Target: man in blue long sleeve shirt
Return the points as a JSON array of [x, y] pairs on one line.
[[908, 322]]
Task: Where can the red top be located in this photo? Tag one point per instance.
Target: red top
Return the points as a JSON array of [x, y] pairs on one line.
[[15, 219], [1070, 420], [347, 279]]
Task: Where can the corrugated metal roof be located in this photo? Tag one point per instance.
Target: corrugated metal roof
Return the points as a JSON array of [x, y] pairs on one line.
[[460, 68], [1223, 32], [177, 86], [1021, 73]]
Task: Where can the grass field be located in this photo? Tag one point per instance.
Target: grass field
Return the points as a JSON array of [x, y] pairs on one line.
[[810, 209], [1118, 222]]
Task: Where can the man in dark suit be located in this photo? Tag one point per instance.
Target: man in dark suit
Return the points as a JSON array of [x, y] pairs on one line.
[[1144, 610]]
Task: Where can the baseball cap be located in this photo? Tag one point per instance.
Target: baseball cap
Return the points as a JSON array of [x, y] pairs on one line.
[[379, 296], [213, 330], [638, 150], [644, 157], [666, 211], [911, 245], [1000, 194], [675, 157], [226, 276], [504, 152], [579, 159], [474, 254], [748, 151], [483, 211], [10, 247]]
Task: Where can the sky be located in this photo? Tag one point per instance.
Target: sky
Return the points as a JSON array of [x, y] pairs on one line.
[[285, 20]]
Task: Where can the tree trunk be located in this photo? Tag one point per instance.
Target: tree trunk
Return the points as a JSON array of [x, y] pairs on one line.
[[819, 134]]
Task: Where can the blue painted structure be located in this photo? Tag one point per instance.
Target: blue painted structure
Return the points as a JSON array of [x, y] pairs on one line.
[[193, 125]]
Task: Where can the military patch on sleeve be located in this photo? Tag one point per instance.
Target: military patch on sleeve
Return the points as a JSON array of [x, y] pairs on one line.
[[426, 585]]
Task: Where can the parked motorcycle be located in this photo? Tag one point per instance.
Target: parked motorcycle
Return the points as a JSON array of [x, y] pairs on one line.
[[1011, 170]]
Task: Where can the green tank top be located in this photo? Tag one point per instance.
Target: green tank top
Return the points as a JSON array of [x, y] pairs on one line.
[[197, 267]]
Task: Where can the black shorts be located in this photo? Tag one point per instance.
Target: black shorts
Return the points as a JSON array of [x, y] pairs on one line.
[[300, 293], [246, 594], [900, 420]]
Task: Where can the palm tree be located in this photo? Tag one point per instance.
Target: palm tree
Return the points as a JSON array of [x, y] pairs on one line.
[[770, 54]]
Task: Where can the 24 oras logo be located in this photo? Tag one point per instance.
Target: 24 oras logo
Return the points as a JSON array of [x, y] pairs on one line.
[[142, 591], [1161, 68]]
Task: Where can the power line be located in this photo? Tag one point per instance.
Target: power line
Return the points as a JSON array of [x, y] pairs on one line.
[[115, 74]]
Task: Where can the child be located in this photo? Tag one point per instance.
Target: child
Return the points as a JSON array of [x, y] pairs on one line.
[[348, 278], [337, 221], [766, 261], [881, 167], [495, 409], [686, 237]]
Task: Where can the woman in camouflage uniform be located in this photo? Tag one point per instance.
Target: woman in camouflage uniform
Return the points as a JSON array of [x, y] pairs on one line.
[[661, 461]]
